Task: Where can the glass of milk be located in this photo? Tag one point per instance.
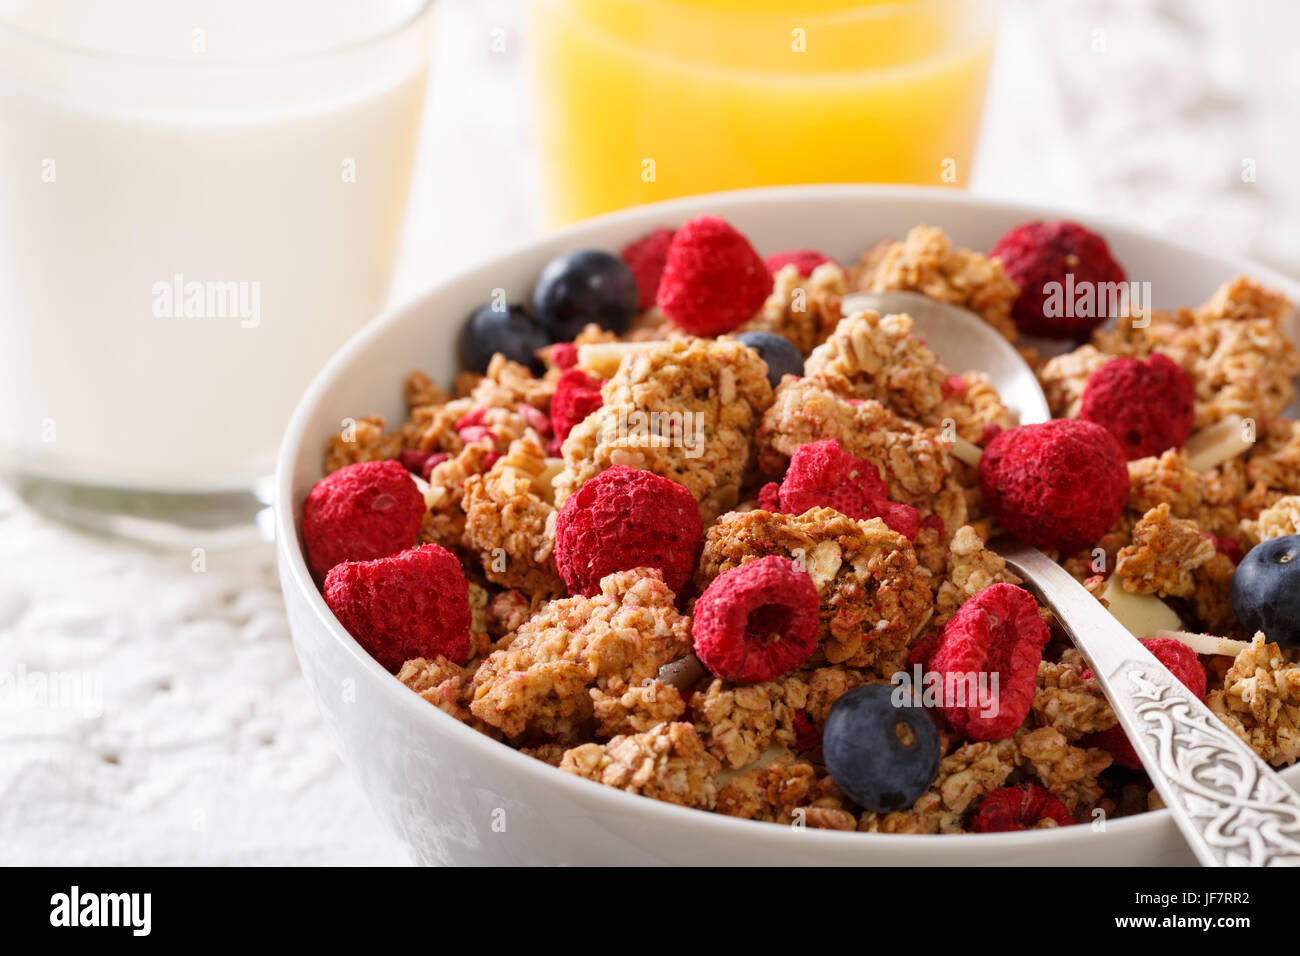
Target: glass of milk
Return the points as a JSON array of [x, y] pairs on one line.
[[199, 201]]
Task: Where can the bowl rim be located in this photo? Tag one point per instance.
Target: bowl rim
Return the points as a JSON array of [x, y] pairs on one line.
[[295, 573]]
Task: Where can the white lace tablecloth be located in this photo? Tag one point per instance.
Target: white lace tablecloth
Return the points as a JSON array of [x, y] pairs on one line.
[[186, 734]]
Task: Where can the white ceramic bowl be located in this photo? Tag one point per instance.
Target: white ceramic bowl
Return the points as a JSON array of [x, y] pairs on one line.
[[457, 797]]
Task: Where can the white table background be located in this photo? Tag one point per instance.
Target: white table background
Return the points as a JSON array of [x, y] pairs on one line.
[[209, 749]]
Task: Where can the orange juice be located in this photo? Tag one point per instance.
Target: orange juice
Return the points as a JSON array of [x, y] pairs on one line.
[[642, 100]]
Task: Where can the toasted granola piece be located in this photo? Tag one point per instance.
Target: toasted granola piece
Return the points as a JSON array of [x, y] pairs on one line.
[[972, 771], [737, 722], [1278, 520], [667, 762], [1167, 480], [445, 522], [913, 461], [420, 390], [1275, 460], [826, 685], [785, 791], [509, 523], [1212, 600], [1241, 367], [633, 710], [1069, 772], [803, 309], [439, 681], [1244, 298], [507, 611], [973, 409], [539, 683], [710, 393], [878, 357], [1164, 553], [874, 596], [971, 567], [551, 753], [1068, 702], [508, 384], [362, 439], [1063, 378], [1260, 701], [925, 262]]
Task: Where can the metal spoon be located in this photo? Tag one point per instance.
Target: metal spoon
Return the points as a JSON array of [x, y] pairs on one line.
[[1232, 807]]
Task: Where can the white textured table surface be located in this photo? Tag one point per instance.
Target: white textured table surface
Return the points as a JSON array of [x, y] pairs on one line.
[[194, 740]]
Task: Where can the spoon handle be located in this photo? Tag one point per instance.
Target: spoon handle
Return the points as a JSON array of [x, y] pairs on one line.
[[1232, 807]]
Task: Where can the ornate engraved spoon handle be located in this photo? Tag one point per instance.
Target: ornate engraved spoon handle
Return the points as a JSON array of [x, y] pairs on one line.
[[1232, 807]]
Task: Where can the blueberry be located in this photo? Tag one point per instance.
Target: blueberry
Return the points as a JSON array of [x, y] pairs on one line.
[[512, 332], [881, 754], [583, 287], [781, 356], [1266, 590]]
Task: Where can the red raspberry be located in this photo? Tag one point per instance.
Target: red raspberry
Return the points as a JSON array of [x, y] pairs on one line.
[[1057, 485], [626, 518], [805, 260], [646, 258], [923, 650], [998, 631], [1229, 546], [806, 736], [432, 462], [413, 459], [411, 604], [563, 355], [1019, 808], [1148, 406], [713, 280], [1035, 254], [822, 474], [769, 497], [756, 621], [366, 510], [576, 396], [1183, 663]]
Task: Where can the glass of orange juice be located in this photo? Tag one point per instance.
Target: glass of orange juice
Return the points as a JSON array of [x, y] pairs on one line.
[[642, 100]]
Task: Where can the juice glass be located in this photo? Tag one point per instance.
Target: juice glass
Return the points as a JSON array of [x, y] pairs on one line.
[[199, 201], [641, 100]]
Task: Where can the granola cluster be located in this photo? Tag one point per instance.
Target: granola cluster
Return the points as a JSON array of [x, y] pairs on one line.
[[607, 688]]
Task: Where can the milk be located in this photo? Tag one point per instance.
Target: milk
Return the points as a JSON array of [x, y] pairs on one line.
[[192, 219]]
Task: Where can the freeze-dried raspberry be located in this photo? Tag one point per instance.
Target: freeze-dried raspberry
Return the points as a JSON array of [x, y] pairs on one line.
[[1039, 254], [1148, 406], [646, 258], [921, 652], [624, 518], [998, 631], [806, 735], [805, 260], [823, 475], [756, 621], [1230, 547], [576, 396], [769, 497], [413, 459], [563, 355], [1183, 663], [1024, 807], [713, 280], [408, 605], [1060, 484], [366, 510], [432, 462]]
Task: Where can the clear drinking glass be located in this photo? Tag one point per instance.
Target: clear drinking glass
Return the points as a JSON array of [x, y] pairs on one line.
[[199, 201]]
